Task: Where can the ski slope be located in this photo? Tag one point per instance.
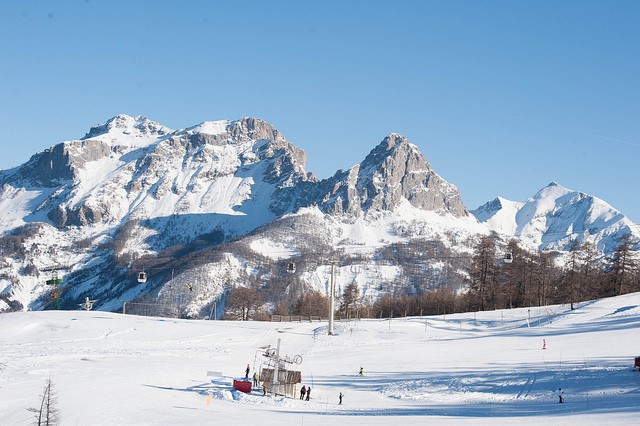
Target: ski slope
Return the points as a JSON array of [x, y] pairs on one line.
[[473, 368]]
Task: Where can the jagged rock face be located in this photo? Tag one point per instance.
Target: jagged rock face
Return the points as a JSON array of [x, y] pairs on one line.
[[249, 128], [186, 169], [231, 175], [151, 165], [61, 162], [393, 171]]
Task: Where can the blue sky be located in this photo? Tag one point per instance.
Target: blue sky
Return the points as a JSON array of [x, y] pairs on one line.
[[502, 97]]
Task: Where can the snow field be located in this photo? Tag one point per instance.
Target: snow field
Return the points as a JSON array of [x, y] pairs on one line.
[[472, 368]]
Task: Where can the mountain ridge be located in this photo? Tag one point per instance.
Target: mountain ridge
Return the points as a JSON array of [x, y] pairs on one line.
[[555, 217], [133, 193]]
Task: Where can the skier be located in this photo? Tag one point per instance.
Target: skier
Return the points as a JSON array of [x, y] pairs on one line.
[[302, 392], [361, 371], [340, 399], [246, 372], [560, 393], [308, 394]]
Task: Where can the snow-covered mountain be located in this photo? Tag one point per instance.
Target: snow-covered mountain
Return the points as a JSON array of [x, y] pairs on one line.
[[226, 203], [555, 217], [132, 188], [394, 172], [227, 174]]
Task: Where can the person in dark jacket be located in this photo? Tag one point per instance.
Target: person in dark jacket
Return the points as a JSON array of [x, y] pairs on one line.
[[340, 399], [308, 394], [302, 392]]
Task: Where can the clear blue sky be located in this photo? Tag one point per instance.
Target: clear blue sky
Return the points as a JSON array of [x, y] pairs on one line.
[[502, 97]]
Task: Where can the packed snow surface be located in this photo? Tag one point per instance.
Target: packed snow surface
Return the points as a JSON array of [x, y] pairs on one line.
[[472, 368]]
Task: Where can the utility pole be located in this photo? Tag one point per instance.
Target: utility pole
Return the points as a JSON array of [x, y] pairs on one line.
[[276, 370], [333, 263]]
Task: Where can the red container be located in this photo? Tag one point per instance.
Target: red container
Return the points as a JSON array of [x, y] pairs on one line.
[[242, 385]]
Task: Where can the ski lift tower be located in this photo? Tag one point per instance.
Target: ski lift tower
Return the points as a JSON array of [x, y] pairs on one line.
[[55, 281], [277, 376], [332, 297], [332, 287]]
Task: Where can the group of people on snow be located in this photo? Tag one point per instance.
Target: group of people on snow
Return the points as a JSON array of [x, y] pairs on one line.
[[305, 391]]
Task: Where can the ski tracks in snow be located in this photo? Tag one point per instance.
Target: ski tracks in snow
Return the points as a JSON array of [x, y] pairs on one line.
[[527, 387], [111, 333]]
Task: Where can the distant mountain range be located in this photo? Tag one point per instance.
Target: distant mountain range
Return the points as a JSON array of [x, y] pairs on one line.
[[215, 201]]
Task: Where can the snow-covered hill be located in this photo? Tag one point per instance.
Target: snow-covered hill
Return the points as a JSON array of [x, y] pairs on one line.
[[475, 368], [556, 216]]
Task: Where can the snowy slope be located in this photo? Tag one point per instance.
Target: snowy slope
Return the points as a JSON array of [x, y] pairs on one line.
[[499, 215], [475, 368]]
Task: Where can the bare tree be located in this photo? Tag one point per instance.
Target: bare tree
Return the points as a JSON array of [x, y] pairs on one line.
[[242, 302], [47, 414], [312, 303], [482, 272], [571, 279], [544, 277], [349, 298], [621, 268]]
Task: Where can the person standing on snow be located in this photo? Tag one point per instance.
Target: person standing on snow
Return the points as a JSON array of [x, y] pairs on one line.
[[255, 379], [308, 394], [361, 371], [560, 394], [246, 372], [302, 392], [340, 399]]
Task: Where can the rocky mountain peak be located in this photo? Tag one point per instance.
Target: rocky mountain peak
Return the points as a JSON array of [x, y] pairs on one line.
[[123, 124], [394, 171], [392, 145], [253, 128]]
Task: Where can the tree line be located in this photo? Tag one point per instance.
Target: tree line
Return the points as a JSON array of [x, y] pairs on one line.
[[529, 279]]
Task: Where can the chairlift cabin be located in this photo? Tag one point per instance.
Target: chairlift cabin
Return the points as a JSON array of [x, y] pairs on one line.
[[142, 277], [291, 267], [508, 257]]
